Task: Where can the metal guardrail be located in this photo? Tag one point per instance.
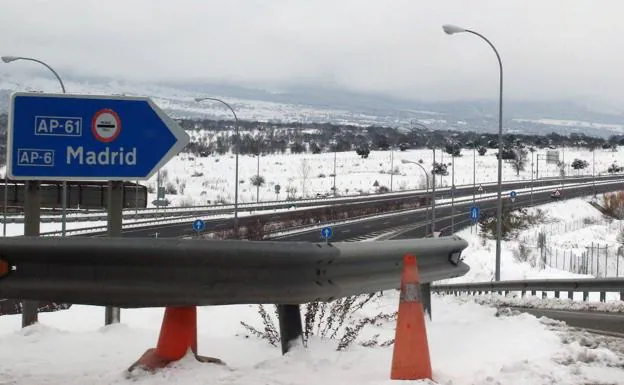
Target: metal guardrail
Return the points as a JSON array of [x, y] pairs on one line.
[[139, 272], [584, 285]]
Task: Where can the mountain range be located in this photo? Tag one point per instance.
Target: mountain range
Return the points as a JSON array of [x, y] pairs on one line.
[[318, 104]]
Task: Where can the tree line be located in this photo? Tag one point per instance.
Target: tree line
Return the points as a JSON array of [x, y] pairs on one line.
[[218, 137]]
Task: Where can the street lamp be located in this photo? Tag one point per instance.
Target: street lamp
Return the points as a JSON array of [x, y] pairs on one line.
[[237, 145], [9, 59], [433, 184], [453, 29], [405, 161]]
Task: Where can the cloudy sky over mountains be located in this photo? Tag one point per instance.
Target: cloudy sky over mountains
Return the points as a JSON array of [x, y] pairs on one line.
[[551, 50]]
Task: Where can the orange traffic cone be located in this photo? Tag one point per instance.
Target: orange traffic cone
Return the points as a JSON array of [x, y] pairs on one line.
[[5, 269], [178, 333], [410, 358]]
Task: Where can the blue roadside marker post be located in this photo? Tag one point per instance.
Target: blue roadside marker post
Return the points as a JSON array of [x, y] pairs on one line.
[[326, 233], [90, 138], [512, 196], [199, 225], [474, 215]]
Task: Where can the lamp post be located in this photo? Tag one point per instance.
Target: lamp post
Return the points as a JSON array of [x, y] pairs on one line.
[[335, 156], [453, 191], [237, 144], [9, 59], [405, 161], [453, 29], [433, 184], [391, 167], [474, 173], [594, 171], [532, 149]]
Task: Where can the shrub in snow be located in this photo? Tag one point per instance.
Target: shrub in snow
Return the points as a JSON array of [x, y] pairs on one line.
[[522, 253], [440, 169], [170, 188], [290, 192], [382, 189], [613, 204], [513, 221], [257, 180], [335, 320]]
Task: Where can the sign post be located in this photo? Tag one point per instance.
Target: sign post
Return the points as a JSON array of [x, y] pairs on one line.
[[87, 138], [199, 226], [474, 216], [326, 233]]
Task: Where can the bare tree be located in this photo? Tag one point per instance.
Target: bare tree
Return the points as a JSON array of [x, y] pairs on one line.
[[305, 175], [520, 159]]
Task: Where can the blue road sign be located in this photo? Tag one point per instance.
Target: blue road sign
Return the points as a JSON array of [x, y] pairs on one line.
[[513, 195], [326, 232], [474, 213], [89, 137], [199, 225]]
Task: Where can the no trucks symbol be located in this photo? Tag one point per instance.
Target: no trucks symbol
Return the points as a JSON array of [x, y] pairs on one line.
[[106, 125]]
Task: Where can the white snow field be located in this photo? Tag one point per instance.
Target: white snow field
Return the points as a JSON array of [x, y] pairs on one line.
[[210, 180], [469, 343], [354, 175]]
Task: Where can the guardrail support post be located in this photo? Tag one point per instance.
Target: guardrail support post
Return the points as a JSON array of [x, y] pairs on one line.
[[115, 217], [290, 325], [585, 296], [603, 296], [544, 295], [622, 296], [570, 294], [32, 217], [533, 293], [523, 293], [425, 289], [557, 294]]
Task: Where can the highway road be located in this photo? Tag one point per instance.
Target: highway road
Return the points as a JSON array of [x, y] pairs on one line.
[[443, 216], [348, 231], [601, 322]]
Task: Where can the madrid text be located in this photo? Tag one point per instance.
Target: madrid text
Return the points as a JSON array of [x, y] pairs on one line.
[[105, 157]]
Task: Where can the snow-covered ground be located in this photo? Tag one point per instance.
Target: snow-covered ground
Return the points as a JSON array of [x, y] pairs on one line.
[[469, 343], [201, 181]]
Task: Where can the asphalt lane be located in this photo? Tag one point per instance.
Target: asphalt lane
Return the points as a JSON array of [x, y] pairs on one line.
[[443, 216], [351, 230], [594, 320]]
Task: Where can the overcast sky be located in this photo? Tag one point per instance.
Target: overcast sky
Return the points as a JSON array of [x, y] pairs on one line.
[[551, 50]]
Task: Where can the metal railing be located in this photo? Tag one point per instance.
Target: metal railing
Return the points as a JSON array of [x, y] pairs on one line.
[[571, 286], [140, 272]]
